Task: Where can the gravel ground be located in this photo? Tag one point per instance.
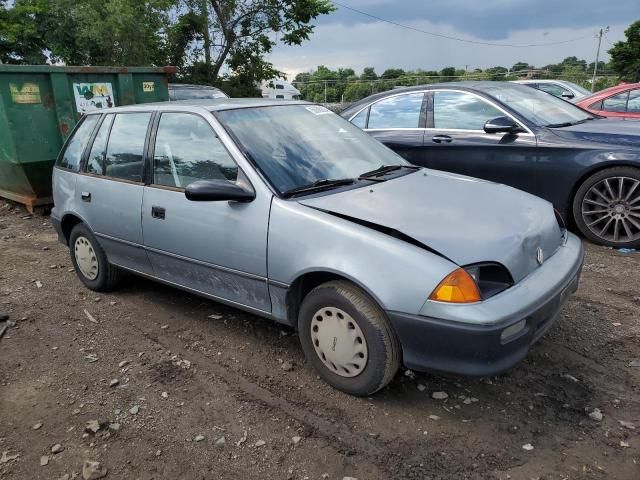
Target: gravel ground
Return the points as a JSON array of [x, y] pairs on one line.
[[148, 380]]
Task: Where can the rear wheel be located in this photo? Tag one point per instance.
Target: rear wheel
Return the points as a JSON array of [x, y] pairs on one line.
[[348, 339], [90, 261], [606, 207]]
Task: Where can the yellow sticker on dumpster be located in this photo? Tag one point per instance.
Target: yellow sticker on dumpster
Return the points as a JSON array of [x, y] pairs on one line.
[[148, 86], [28, 94]]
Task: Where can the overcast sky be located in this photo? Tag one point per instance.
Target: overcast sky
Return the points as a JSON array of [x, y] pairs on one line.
[[349, 39]]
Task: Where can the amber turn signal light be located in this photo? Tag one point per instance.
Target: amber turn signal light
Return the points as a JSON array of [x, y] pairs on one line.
[[457, 287]]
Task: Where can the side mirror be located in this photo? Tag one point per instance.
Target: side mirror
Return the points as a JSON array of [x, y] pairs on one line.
[[217, 191], [501, 125], [567, 94]]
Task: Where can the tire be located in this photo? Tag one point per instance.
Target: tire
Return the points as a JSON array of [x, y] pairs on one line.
[[106, 275], [606, 207], [348, 313]]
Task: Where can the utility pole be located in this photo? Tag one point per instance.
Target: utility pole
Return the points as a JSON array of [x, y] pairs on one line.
[[325, 92], [595, 65]]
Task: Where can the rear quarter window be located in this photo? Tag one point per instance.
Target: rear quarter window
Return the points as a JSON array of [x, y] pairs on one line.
[[72, 154]]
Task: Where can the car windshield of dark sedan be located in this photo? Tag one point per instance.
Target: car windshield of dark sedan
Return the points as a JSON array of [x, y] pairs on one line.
[[538, 107], [299, 145]]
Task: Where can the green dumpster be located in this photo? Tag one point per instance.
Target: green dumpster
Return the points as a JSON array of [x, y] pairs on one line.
[[39, 106]]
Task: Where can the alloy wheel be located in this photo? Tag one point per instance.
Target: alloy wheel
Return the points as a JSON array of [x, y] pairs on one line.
[[611, 209]]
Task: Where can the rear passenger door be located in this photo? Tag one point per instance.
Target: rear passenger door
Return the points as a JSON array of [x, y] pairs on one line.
[[215, 248], [398, 122], [110, 187]]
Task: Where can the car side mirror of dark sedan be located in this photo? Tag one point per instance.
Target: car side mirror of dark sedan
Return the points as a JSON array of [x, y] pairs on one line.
[[217, 191], [567, 94], [502, 125]]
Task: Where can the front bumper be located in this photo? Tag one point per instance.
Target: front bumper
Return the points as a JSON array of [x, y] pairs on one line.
[[468, 339]]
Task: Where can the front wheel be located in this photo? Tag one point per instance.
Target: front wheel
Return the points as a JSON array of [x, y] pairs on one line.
[[348, 339], [606, 207]]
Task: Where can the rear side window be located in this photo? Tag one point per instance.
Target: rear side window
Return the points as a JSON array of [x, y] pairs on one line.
[[73, 153], [617, 103], [187, 150], [126, 146], [401, 111], [95, 162]]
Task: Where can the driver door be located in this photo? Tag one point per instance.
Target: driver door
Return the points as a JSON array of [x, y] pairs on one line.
[[215, 248], [455, 141]]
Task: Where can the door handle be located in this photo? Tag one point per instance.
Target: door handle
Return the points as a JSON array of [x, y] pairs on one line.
[[442, 139], [86, 196], [158, 212]]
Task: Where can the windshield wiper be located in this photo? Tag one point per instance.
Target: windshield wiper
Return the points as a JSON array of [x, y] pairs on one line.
[[384, 169], [318, 186]]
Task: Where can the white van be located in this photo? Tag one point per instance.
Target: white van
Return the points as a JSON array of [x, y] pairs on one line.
[[279, 90]]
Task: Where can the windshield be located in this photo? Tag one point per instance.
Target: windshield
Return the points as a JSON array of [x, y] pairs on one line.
[[538, 107], [299, 145]]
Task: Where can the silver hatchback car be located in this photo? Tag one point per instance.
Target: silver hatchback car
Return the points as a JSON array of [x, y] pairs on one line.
[[288, 211]]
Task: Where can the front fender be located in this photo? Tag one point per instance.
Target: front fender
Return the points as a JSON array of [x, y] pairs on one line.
[[398, 275]]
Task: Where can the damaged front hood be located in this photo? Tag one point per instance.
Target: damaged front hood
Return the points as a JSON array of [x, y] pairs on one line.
[[464, 219]]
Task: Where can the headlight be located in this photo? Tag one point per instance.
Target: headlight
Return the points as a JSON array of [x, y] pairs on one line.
[[472, 284]]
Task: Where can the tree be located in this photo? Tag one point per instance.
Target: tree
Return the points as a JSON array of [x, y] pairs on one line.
[[240, 33], [392, 73], [20, 38], [519, 66], [625, 56], [369, 74]]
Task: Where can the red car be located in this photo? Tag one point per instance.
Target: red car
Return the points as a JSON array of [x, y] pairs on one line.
[[622, 101]]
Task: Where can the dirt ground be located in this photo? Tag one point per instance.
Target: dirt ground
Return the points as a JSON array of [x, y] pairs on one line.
[[190, 371]]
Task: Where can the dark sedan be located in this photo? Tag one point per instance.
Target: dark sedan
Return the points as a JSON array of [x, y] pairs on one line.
[[586, 165]]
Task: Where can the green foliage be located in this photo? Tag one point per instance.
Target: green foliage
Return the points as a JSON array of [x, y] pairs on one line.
[[625, 56], [20, 36]]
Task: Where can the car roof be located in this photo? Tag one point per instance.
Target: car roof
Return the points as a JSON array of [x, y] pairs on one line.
[[192, 86], [609, 91], [469, 85], [208, 104]]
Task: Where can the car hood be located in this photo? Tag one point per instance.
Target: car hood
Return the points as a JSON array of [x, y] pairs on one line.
[[605, 131], [463, 219]]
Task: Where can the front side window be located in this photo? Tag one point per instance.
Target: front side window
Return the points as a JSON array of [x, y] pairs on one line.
[[187, 150], [73, 153], [461, 110], [124, 158], [400, 111], [633, 105], [95, 162], [616, 103]]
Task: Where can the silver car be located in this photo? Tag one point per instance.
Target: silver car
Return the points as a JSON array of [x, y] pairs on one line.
[[286, 210], [558, 88]]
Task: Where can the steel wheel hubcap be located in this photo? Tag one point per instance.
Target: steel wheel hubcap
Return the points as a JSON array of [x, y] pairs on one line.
[[339, 342], [611, 209], [86, 258]]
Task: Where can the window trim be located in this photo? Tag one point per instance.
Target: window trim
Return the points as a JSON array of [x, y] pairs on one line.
[[149, 179], [429, 114]]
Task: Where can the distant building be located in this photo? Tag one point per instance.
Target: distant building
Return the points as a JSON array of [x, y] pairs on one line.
[[279, 89]]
